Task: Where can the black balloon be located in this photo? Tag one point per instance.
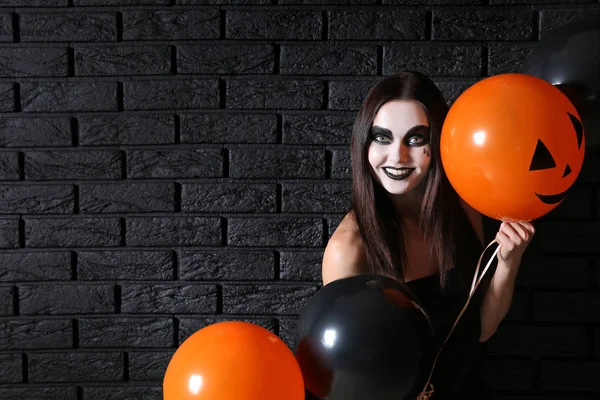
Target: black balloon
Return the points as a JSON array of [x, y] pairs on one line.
[[364, 338], [569, 58]]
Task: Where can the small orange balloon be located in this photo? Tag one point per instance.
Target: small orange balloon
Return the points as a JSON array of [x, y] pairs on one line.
[[233, 361], [512, 145]]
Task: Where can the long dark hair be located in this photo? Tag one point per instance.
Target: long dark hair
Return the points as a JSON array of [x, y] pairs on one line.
[[377, 219]]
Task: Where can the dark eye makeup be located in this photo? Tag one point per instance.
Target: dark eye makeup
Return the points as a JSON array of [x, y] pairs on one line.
[[416, 136]]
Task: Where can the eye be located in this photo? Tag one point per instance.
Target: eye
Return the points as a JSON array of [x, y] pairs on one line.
[[383, 139], [416, 140], [542, 159]]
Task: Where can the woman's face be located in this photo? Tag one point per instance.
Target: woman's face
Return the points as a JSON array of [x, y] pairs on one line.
[[399, 151]]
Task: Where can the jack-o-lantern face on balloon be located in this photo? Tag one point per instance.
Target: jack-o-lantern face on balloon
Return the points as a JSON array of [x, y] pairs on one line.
[[512, 146]]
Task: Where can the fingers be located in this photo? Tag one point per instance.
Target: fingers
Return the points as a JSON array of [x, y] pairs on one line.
[[519, 232]]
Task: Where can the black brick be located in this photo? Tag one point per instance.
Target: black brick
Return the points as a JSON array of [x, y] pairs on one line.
[[496, 24], [317, 129], [578, 204], [507, 59], [318, 197], [189, 326], [49, 265], [133, 265], [570, 375], [228, 265], [288, 332], [7, 97], [228, 128], [25, 132], [329, 60], [301, 266], [6, 300], [148, 366], [348, 95], [285, 232], [6, 29], [168, 298], [88, 164], [30, 61], [77, 232], [125, 332], [69, 96], [36, 334], [127, 129], [171, 25], [270, 299], [549, 272], [341, 164], [9, 233], [451, 90], [509, 374], [552, 19], [171, 94], [275, 163], [10, 368], [219, 2], [567, 307], [237, 197], [197, 163], [518, 308], [392, 24], [39, 393], [34, 3], [225, 59], [66, 299], [275, 94], [273, 25], [120, 2], [68, 27], [434, 60], [569, 236], [173, 231], [333, 221], [122, 392], [132, 197], [130, 60], [55, 199], [538, 341], [9, 166], [76, 366]]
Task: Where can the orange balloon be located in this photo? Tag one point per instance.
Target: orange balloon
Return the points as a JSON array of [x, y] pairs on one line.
[[233, 361], [512, 145]]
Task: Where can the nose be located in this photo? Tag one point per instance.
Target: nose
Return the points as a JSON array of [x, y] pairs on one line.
[[567, 171], [400, 153]]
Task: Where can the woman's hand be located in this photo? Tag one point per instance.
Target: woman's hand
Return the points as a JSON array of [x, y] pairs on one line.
[[513, 237]]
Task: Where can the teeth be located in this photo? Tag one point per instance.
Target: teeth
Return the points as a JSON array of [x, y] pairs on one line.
[[397, 172]]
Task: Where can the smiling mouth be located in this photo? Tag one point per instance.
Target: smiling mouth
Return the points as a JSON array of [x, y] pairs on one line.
[[398, 174], [552, 198]]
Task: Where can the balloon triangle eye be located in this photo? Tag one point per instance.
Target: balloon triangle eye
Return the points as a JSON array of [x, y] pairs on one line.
[[542, 159]]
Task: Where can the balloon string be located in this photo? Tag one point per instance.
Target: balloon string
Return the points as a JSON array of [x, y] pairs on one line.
[[428, 389]]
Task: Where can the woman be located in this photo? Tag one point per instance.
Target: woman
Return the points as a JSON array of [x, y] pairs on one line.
[[407, 222]]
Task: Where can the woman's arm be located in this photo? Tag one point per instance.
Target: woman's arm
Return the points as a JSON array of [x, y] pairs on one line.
[[513, 237], [344, 255]]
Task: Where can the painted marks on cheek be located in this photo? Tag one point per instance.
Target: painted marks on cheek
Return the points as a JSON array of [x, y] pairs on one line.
[[426, 152]]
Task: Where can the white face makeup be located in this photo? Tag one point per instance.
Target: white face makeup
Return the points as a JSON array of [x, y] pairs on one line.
[[399, 151]]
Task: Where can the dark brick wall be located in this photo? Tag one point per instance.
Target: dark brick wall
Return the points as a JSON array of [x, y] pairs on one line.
[[168, 164]]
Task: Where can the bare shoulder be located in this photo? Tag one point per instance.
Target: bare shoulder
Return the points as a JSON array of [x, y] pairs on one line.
[[475, 218], [345, 253]]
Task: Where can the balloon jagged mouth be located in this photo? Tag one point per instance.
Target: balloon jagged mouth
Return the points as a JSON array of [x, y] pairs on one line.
[[552, 198]]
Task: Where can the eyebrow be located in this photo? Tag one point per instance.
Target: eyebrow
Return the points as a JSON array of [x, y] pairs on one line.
[[378, 130]]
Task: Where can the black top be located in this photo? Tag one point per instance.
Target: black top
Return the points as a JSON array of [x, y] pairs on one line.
[[457, 373]]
